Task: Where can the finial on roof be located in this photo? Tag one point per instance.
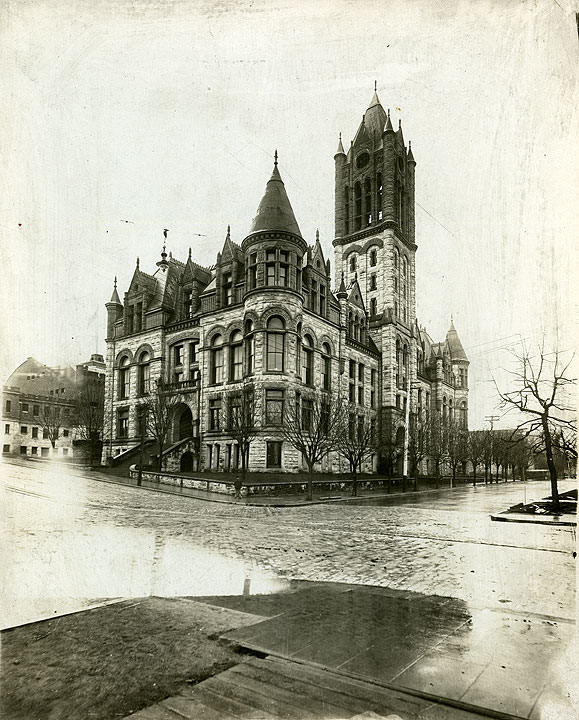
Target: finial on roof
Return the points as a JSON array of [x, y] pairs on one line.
[[115, 282], [317, 235], [137, 262], [399, 123], [275, 158], [375, 86], [388, 112], [189, 253], [228, 232]]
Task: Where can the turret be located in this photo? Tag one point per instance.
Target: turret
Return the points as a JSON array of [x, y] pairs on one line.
[[114, 312]]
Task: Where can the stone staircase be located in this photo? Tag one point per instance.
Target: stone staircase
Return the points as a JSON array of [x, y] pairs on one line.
[[272, 688]]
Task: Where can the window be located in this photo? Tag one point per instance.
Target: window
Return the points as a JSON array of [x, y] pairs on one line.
[[274, 407], [124, 378], [123, 423], [252, 272], [227, 289], [307, 413], [313, 295], [24, 429], [138, 316], [215, 414], [379, 195], [353, 264], [308, 356], [236, 356], [177, 355], [357, 206], [367, 202], [45, 434], [270, 267], [7, 429], [347, 209], [361, 395], [274, 455], [275, 344], [23, 449], [361, 373], [216, 360], [35, 432], [144, 376], [5, 448], [188, 303], [25, 407], [43, 452], [249, 347], [65, 433], [322, 299], [284, 268], [373, 388], [235, 405], [35, 410], [326, 367], [8, 405], [352, 369], [373, 307]]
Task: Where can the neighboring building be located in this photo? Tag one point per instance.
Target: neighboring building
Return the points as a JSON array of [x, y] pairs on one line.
[[265, 315], [39, 407]]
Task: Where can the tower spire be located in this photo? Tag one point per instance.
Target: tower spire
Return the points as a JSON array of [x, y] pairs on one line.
[[275, 158]]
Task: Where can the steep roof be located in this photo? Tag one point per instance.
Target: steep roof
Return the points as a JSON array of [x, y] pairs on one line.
[[375, 117], [275, 211], [456, 349]]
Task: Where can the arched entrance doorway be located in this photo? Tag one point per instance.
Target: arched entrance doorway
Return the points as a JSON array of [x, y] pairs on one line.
[[183, 423], [186, 462]]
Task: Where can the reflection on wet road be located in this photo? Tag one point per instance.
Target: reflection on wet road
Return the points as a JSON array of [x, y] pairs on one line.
[[69, 540]]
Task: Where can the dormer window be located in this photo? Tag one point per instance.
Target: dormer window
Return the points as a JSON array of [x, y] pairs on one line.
[[227, 289], [188, 303]]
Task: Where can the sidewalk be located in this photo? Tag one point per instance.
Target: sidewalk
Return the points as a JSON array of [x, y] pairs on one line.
[[339, 651]]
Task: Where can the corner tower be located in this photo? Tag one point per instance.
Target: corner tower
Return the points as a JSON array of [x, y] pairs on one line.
[[375, 241]]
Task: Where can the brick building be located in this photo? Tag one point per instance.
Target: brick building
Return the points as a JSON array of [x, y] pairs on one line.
[[266, 314], [39, 407]]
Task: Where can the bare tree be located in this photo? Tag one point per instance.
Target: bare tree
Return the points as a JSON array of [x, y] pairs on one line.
[[476, 449], [417, 443], [540, 384], [311, 425], [51, 422], [89, 416], [241, 422], [436, 442], [158, 409], [355, 441], [456, 446], [389, 445]]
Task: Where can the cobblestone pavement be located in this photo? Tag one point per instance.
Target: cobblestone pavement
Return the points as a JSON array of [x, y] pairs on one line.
[[69, 540]]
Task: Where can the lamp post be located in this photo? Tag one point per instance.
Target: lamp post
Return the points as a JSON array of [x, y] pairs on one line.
[[142, 413]]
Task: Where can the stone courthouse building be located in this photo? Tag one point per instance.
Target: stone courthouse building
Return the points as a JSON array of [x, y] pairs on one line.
[[265, 315]]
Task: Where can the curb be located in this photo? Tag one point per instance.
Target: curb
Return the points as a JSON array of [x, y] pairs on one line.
[[519, 518]]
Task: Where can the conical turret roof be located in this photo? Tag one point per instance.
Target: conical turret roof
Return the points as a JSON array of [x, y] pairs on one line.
[[455, 346], [115, 296], [275, 211]]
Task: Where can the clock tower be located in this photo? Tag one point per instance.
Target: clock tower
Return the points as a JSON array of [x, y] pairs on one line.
[[375, 243]]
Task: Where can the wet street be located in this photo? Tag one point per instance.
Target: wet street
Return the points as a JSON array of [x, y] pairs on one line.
[[69, 541]]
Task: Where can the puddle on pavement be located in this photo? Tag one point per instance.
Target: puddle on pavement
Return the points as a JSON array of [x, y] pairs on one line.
[[73, 568]]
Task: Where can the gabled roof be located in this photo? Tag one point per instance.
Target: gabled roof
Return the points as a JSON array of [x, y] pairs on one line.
[[355, 295], [275, 211]]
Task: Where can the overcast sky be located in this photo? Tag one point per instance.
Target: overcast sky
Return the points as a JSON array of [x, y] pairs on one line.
[[124, 118]]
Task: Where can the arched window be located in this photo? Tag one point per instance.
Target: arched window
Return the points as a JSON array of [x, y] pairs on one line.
[[463, 414], [216, 360], [236, 356], [444, 409], [347, 209], [124, 385], [396, 270], [367, 202], [373, 258], [275, 344], [249, 347], [144, 376], [353, 263], [450, 410], [357, 206], [308, 355], [379, 195], [356, 328], [350, 324], [326, 367], [299, 349], [404, 364]]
